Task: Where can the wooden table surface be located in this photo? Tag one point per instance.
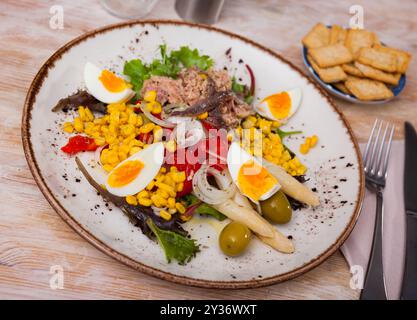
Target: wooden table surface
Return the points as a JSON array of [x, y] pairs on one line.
[[33, 237]]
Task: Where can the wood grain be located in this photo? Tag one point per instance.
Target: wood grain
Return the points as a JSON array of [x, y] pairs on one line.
[[33, 238]]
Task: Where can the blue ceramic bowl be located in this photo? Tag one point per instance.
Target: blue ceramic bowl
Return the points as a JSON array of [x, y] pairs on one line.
[[347, 97]]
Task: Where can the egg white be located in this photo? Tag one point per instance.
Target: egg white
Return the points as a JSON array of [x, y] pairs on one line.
[[98, 90], [295, 96], [236, 157], [152, 157]]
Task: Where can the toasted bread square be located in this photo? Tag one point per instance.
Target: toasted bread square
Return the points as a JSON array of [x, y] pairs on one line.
[[378, 58], [342, 87], [337, 34], [352, 70], [317, 37], [359, 38], [331, 55], [365, 89], [403, 57], [328, 75], [376, 74]]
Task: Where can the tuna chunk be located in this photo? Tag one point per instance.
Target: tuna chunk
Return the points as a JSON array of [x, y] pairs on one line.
[[167, 89]]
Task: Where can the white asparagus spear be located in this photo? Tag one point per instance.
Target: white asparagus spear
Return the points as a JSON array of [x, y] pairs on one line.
[[278, 241], [240, 208], [292, 186], [246, 216]]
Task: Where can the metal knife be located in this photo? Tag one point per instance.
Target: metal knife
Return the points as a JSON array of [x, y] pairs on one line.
[[409, 285]]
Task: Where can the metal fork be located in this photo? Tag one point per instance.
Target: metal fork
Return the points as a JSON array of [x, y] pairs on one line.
[[375, 161]]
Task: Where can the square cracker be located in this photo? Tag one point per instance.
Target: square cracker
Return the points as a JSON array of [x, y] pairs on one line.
[[341, 86], [403, 57], [376, 74], [365, 89], [331, 55], [359, 38], [352, 70], [378, 58], [328, 75], [317, 37], [337, 34]]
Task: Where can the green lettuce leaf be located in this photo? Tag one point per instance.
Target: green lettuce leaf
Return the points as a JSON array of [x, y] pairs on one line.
[[174, 245], [190, 58], [168, 65], [206, 209]]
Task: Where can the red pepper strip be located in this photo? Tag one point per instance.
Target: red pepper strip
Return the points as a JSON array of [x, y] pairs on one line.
[[252, 80], [79, 143]]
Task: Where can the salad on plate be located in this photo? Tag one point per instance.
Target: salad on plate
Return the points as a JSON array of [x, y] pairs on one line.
[[176, 137]]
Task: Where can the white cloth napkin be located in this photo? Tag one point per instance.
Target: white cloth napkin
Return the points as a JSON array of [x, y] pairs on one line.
[[357, 247]]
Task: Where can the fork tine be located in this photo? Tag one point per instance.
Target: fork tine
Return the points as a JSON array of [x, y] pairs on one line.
[[378, 161], [369, 145], [383, 171], [374, 147]]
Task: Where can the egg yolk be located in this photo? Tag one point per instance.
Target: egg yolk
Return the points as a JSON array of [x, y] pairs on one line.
[[279, 104], [254, 180], [125, 173], [111, 82]]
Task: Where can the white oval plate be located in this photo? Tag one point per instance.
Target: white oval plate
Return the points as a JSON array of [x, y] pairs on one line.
[[316, 233]]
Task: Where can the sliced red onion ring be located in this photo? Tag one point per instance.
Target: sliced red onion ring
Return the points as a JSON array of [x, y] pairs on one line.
[[154, 119], [189, 133], [206, 192]]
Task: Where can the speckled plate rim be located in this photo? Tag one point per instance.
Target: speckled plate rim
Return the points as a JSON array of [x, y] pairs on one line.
[[58, 207]]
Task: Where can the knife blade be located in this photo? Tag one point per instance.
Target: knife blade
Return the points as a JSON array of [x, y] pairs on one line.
[[409, 285]]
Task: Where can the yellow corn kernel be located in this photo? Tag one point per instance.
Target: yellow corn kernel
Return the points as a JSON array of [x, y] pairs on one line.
[[134, 150], [304, 148], [169, 181], [147, 127], [122, 155], [68, 127], [100, 141], [163, 170], [203, 76], [268, 157], [156, 108], [143, 194], [115, 117], [172, 210], [113, 158], [133, 119], [313, 141], [170, 146], [308, 141], [131, 200], [145, 202], [150, 95], [203, 116], [185, 218], [180, 186], [276, 124], [167, 188], [173, 169], [149, 106], [264, 125], [157, 133], [150, 185], [165, 215], [179, 177], [88, 114], [171, 203], [78, 125], [180, 207], [108, 167], [81, 113], [139, 120], [163, 193]]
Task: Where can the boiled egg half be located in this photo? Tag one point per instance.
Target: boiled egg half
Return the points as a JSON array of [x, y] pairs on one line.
[[247, 172], [136, 172], [280, 106], [105, 86]]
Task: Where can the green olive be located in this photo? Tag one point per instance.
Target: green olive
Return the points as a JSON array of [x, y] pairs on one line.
[[277, 208], [234, 238]]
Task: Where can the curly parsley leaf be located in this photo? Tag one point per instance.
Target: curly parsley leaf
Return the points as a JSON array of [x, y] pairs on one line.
[[243, 90], [174, 245]]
